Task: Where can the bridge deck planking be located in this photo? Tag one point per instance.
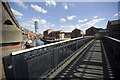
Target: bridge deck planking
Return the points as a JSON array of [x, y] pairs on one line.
[[70, 60], [93, 65]]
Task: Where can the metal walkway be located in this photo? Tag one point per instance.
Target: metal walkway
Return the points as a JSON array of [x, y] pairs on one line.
[[92, 63], [81, 58]]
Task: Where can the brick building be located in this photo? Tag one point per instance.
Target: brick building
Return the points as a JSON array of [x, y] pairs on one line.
[[47, 33], [50, 34], [68, 34], [92, 31], [102, 32], [76, 33], [113, 29], [26, 34], [57, 35]]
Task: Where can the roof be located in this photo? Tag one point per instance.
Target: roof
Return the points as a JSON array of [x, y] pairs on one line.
[[67, 32], [76, 29], [115, 22], [49, 29], [57, 31], [101, 29], [92, 28]]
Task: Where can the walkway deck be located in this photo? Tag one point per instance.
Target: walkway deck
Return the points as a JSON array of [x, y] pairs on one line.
[[92, 65]]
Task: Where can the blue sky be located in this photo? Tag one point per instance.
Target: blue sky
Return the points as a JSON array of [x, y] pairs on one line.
[[64, 15]]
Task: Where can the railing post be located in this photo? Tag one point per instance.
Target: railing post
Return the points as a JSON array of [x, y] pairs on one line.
[[70, 48], [55, 56], [84, 41], [116, 54], [52, 57], [17, 66], [8, 66], [76, 45]]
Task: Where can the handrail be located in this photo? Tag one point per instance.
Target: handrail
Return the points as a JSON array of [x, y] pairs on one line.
[[51, 44], [39, 61], [112, 47], [113, 38]]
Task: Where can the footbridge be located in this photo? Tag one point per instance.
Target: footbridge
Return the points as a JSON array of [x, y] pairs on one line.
[[78, 58]]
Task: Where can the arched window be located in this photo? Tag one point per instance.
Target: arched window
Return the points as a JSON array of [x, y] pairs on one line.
[[8, 22]]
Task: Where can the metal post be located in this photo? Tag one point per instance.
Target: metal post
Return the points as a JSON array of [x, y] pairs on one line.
[[52, 57], [76, 45]]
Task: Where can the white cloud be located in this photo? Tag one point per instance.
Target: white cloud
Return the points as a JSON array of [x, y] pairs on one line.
[[85, 19], [93, 22], [95, 17], [70, 17], [85, 26], [61, 26], [71, 4], [42, 24], [42, 21], [82, 20], [50, 3], [27, 25], [65, 7], [21, 4], [16, 13], [69, 28], [52, 25], [39, 9], [116, 14], [62, 20], [77, 26], [34, 19], [72, 26]]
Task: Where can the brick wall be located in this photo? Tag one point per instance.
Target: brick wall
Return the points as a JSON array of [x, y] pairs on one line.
[[10, 47]]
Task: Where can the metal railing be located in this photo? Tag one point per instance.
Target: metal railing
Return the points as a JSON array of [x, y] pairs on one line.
[[36, 62], [113, 47]]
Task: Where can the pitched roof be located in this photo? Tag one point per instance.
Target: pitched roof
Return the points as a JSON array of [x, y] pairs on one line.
[[76, 29], [57, 31]]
